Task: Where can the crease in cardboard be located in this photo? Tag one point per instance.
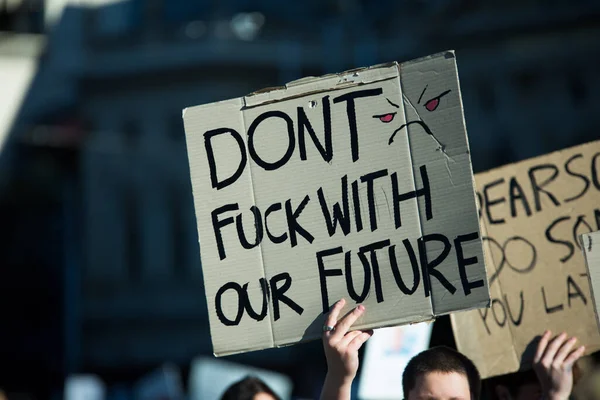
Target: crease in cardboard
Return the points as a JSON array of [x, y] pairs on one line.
[[260, 246], [440, 146], [417, 319], [329, 83], [412, 169], [267, 90], [497, 361], [510, 328], [446, 54], [355, 72], [308, 93]]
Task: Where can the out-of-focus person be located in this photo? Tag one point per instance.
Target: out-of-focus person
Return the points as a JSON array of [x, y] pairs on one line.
[[249, 388], [439, 373]]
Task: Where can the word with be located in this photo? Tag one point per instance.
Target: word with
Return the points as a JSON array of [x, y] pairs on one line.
[[339, 215]]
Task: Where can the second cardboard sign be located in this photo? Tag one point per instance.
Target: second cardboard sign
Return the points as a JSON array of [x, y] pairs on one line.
[[532, 214]]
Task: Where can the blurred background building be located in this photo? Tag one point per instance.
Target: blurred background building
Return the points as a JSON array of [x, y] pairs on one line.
[[99, 253]]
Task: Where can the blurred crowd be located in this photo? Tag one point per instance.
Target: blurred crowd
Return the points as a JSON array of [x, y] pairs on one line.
[[100, 276]]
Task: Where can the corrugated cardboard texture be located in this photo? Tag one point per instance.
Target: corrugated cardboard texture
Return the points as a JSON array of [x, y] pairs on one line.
[[590, 244], [531, 215], [382, 149]]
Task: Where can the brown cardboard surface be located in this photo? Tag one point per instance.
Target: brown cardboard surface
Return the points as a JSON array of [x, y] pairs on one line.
[[531, 215], [397, 139], [590, 244]]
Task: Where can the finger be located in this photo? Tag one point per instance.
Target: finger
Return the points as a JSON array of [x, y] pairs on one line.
[[333, 315], [541, 347], [564, 350], [358, 341], [352, 335], [574, 356], [349, 337], [346, 322], [552, 348]]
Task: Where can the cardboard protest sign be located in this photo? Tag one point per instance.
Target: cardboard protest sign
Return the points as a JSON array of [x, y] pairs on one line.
[[531, 215], [355, 185], [590, 244]]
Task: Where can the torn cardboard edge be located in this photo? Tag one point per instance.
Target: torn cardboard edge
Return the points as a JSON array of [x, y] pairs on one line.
[[328, 82], [412, 169], [260, 246], [487, 250], [307, 339], [427, 320]]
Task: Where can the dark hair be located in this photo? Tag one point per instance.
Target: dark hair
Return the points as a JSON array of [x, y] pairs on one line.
[[441, 359], [246, 389]]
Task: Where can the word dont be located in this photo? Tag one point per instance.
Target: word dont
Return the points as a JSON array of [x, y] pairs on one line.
[[303, 126]]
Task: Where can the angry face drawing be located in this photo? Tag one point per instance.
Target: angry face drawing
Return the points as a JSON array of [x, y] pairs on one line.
[[430, 105]]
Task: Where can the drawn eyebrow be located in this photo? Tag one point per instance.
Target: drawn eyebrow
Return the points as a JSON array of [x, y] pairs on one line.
[[383, 115], [389, 101], [422, 93], [439, 96]]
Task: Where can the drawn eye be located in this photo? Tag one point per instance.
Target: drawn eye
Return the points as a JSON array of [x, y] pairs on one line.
[[385, 118], [432, 104]]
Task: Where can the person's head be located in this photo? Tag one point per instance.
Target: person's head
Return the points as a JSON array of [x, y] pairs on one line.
[[249, 388], [441, 373]]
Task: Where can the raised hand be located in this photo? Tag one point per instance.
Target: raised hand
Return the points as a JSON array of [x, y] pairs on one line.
[[553, 365], [341, 350]]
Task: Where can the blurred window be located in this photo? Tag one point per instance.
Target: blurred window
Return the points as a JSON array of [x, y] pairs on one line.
[[22, 16], [175, 127], [133, 239], [181, 11], [485, 92], [131, 133], [525, 82], [178, 223], [577, 89], [118, 19]]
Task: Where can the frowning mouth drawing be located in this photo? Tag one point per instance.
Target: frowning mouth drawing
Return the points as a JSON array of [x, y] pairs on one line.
[[430, 105]]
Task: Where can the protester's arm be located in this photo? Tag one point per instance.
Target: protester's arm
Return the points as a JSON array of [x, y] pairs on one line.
[[553, 364], [341, 350]]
